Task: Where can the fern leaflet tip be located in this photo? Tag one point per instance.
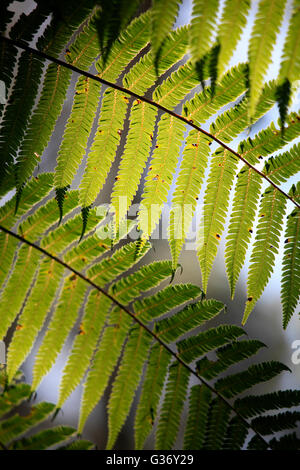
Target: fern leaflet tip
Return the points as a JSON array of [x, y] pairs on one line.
[[60, 196], [84, 214]]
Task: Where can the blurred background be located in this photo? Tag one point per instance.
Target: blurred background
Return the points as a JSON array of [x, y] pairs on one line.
[[265, 323]]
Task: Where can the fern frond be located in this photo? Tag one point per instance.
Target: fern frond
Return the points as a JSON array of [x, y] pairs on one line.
[[84, 344], [250, 406], [266, 245], [146, 277], [290, 282], [104, 146], [45, 439], [138, 144], [127, 380], [153, 383], [33, 316], [108, 269], [170, 297], [209, 101], [218, 419], [280, 422], [232, 122], [237, 383], [262, 42], [159, 178], [191, 348], [42, 121], [15, 427], [240, 227], [163, 15], [190, 317], [188, 185], [236, 434], [283, 166], [270, 139], [233, 21], [227, 356], [176, 86], [143, 75], [216, 199], [202, 28], [54, 89], [113, 109], [104, 362], [290, 63], [114, 335], [199, 403], [61, 323], [170, 414], [19, 282], [77, 131]]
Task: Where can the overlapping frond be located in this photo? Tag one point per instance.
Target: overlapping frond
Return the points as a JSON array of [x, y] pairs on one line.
[[15, 426]]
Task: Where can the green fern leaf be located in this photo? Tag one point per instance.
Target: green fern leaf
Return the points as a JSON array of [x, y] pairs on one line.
[[61, 323], [15, 427], [77, 131], [143, 75], [12, 397], [125, 290], [113, 109], [45, 439], [208, 102], [163, 15], [237, 383], [193, 315], [290, 283], [232, 122], [266, 245], [240, 227], [160, 174], [146, 277], [223, 168], [188, 185], [283, 166], [138, 144], [156, 372], [166, 299], [236, 434], [270, 139], [84, 345], [169, 419], [227, 356], [280, 422], [262, 42], [191, 348], [250, 406], [34, 314], [233, 21], [127, 380], [290, 63], [218, 419], [202, 27], [18, 284], [199, 403], [104, 362]]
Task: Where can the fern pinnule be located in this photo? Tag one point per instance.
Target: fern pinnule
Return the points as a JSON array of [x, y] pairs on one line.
[[266, 245]]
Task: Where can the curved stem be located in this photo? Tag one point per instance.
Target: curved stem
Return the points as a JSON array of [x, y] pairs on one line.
[[137, 320], [146, 100]]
